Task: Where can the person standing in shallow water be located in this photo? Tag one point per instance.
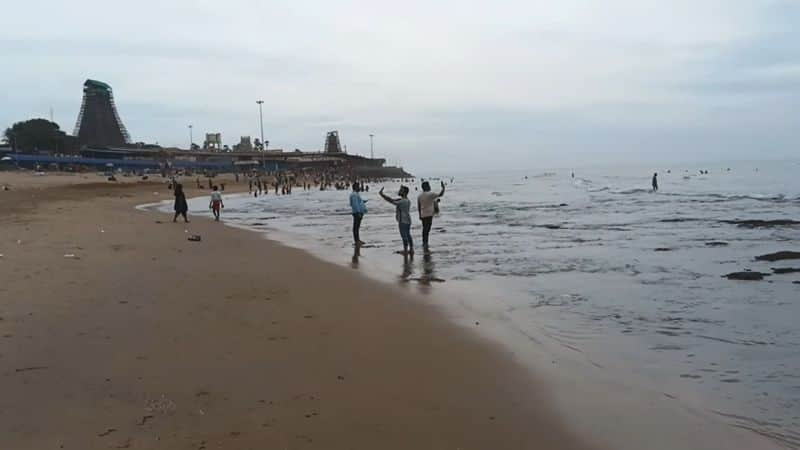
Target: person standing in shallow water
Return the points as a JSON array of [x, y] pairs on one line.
[[358, 207], [426, 204], [655, 182], [181, 207], [216, 203], [403, 216]]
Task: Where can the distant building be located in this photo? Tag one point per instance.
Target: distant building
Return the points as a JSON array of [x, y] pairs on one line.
[[244, 145], [332, 144], [98, 122], [213, 142]]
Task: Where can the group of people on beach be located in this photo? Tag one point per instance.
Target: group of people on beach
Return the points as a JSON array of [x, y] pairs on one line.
[[427, 206], [181, 207]]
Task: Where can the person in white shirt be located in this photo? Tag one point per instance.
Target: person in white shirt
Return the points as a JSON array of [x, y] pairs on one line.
[[426, 204], [216, 202]]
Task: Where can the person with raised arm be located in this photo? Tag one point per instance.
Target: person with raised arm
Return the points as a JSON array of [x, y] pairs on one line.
[[427, 206], [403, 216]]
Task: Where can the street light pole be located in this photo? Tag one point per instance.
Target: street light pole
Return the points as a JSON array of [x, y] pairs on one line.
[[261, 121], [371, 151], [191, 140]]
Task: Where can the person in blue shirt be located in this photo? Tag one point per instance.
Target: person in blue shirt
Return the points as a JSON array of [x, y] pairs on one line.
[[359, 208]]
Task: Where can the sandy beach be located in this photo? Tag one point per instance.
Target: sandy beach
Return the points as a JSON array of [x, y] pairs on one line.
[[118, 332]]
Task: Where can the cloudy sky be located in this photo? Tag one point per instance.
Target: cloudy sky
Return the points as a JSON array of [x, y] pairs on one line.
[[442, 84]]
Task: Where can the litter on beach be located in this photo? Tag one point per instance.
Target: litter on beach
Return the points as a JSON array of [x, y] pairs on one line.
[[70, 256], [195, 237]]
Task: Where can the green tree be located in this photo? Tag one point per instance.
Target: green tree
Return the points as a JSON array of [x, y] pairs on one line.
[[40, 134]]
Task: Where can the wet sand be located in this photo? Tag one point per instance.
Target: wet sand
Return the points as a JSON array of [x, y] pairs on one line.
[[144, 339]]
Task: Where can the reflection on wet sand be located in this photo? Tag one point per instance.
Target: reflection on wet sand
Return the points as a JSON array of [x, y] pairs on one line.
[[427, 270], [408, 269], [356, 256]]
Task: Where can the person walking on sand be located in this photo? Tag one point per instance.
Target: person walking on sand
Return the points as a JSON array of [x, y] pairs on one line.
[[359, 208], [216, 202], [403, 216], [655, 182], [426, 204], [181, 207]]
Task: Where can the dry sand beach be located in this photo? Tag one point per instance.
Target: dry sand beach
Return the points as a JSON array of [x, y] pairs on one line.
[[143, 340]]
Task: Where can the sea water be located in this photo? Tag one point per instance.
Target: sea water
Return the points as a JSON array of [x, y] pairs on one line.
[[598, 263]]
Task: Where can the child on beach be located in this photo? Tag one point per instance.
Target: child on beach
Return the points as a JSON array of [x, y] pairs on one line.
[[403, 216], [216, 202]]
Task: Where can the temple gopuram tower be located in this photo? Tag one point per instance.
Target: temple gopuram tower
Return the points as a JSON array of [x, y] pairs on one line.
[[98, 121], [332, 144]]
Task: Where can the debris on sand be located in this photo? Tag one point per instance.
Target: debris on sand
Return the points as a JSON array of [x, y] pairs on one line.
[[195, 238], [145, 419], [746, 276], [28, 369], [777, 256], [107, 432]]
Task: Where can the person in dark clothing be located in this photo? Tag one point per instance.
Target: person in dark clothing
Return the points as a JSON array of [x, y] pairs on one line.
[[655, 182], [181, 207]]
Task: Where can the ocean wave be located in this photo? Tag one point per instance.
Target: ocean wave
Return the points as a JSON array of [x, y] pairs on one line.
[[632, 191], [730, 197], [698, 196]]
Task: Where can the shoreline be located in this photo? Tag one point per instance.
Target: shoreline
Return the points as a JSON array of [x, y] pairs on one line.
[[422, 382], [461, 306]]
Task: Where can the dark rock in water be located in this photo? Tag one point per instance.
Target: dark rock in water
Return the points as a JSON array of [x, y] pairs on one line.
[[716, 244], [746, 276], [778, 256], [762, 223], [782, 270], [552, 227], [795, 282], [563, 204], [663, 249]]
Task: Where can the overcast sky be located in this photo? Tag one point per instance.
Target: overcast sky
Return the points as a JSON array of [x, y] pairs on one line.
[[444, 84]]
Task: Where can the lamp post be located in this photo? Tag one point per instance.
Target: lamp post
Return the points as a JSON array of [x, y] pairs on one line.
[[261, 121], [371, 151], [191, 141]]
